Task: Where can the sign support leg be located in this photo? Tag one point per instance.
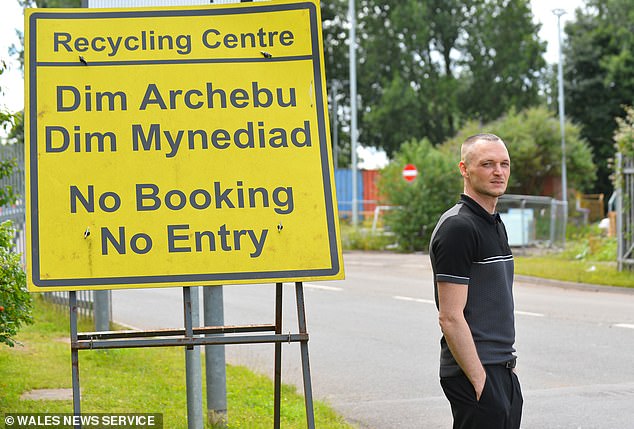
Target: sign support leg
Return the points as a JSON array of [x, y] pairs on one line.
[[187, 314], [278, 358], [101, 299], [308, 390], [216, 373], [74, 353], [192, 361]]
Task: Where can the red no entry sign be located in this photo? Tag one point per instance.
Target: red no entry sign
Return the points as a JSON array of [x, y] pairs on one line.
[[410, 172]]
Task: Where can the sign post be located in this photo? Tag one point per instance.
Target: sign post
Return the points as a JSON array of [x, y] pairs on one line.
[[179, 147]]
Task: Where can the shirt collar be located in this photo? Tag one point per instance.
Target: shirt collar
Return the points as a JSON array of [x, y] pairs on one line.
[[479, 210]]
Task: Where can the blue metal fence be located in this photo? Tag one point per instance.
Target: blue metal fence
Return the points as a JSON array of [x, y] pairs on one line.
[[343, 183]]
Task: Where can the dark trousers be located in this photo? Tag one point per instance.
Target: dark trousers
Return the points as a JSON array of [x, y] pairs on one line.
[[500, 405]]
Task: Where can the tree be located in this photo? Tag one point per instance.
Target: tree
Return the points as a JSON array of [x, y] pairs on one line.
[[429, 66], [503, 62], [599, 76], [424, 68], [335, 36], [400, 100]]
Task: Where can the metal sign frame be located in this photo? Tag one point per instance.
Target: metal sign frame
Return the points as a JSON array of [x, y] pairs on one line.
[[190, 337]]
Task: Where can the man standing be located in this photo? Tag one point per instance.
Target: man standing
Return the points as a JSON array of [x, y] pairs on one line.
[[473, 281]]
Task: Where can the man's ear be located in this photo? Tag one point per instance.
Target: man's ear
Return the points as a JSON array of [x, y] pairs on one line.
[[463, 169]]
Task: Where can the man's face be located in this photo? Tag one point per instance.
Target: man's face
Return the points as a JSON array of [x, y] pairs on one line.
[[487, 168]]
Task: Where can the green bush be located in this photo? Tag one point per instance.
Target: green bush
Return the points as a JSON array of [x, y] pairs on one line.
[[421, 202], [589, 243], [15, 301]]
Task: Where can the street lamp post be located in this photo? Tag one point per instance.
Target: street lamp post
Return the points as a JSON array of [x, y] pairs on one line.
[[353, 108], [562, 119]]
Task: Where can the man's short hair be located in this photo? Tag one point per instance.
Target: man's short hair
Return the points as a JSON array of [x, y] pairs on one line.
[[464, 150]]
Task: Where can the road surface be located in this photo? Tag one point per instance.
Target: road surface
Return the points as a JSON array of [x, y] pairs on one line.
[[374, 344]]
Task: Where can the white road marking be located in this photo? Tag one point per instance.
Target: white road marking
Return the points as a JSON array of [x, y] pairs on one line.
[[624, 325], [367, 263], [431, 301], [322, 287], [407, 298], [529, 313]]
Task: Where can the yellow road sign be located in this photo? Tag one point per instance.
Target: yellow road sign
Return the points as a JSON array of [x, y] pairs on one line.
[[178, 146]]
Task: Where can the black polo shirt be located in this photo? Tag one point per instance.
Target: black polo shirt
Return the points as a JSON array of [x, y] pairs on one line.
[[469, 246]]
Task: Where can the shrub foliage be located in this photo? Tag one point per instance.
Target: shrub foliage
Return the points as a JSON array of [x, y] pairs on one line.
[[419, 203], [15, 301]]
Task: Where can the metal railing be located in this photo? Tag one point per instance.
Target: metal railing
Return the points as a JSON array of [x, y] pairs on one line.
[[85, 300], [15, 212], [625, 213], [533, 220]]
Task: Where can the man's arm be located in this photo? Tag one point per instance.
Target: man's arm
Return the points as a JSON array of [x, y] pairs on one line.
[[452, 298]]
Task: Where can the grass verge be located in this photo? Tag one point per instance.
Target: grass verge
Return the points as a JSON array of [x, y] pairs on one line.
[[589, 257], [144, 380], [582, 271], [363, 238]]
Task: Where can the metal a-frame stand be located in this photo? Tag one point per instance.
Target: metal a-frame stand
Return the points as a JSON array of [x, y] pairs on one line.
[[199, 336]]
